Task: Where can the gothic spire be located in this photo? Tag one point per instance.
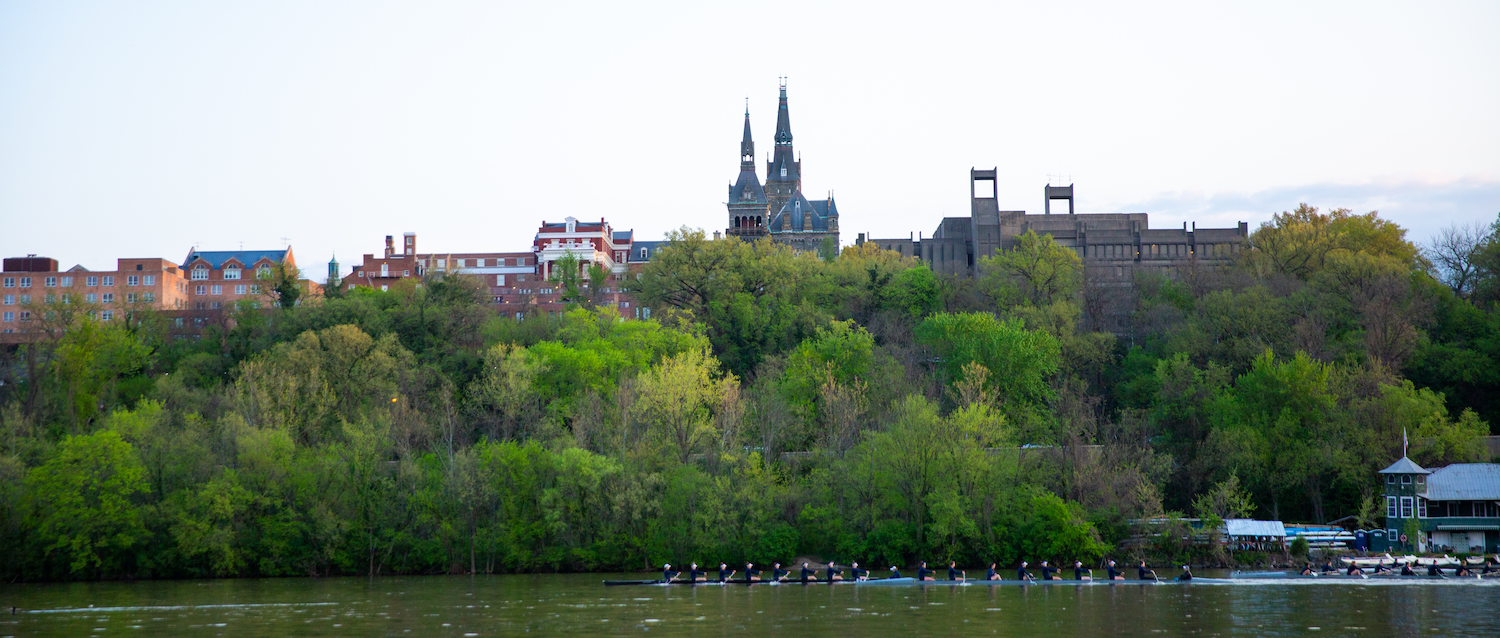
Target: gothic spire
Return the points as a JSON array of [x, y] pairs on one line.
[[747, 145], [783, 120], [784, 166]]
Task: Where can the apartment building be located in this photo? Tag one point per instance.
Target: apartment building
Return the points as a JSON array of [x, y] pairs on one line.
[[136, 283], [218, 279]]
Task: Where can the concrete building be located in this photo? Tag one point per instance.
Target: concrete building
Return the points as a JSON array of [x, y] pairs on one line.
[[779, 209], [1456, 509]]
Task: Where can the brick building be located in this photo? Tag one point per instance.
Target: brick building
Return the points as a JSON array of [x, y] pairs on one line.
[[220, 278], [30, 282]]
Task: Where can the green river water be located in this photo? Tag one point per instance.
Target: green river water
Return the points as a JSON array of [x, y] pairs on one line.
[[576, 605]]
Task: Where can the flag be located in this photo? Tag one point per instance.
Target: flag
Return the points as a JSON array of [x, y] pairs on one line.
[[1403, 442]]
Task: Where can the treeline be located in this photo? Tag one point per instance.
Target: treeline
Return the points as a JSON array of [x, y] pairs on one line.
[[776, 404]]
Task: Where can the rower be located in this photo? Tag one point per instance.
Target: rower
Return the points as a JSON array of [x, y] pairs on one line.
[[808, 572], [923, 573], [1487, 563], [1406, 569], [1079, 573], [667, 574], [1142, 570], [778, 574], [697, 575], [954, 573], [1307, 570], [1022, 574], [1463, 570], [991, 574], [751, 573], [1354, 570], [1114, 574], [725, 573], [1327, 567], [1187, 574], [833, 573], [1433, 569], [894, 573], [1047, 572], [857, 573]]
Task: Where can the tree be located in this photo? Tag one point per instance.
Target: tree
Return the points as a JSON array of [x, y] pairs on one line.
[[1454, 251], [282, 283], [1020, 360], [83, 504], [677, 397], [1036, 271]]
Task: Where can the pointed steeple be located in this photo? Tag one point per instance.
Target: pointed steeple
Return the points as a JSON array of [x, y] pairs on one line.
[[747, 145], [784, 166]]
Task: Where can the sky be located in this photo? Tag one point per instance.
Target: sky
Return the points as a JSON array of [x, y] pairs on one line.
[[143, 129]]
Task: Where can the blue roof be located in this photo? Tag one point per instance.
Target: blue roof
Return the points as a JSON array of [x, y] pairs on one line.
[[1465, 482], [650, 246], [216, 258], [623, 235]]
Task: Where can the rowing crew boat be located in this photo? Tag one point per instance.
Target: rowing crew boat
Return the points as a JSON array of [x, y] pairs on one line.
[[1343, 576], [911, 581]]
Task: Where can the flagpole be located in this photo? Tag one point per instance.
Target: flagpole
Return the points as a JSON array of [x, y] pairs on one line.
[[1403, 442]]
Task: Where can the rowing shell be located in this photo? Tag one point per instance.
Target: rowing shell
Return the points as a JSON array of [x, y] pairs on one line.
[[912, 581]]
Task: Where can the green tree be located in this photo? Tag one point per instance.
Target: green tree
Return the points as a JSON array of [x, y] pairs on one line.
[[83, 504], [1036, 271]]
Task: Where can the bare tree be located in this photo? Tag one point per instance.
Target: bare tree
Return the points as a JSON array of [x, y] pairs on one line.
[[1453, 251]]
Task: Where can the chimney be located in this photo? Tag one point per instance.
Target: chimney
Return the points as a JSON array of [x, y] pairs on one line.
[[410, 239], [716, 235], [390, 246]]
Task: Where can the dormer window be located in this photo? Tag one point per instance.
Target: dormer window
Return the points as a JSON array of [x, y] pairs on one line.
[[783, 171], [200, 272], [263, 272], [232, 272]]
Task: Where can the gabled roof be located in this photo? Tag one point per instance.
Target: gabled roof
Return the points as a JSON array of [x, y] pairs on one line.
[[747, 180], [78, 268], [796, 208], [1404, 466], [650, 246], [216, 258], [1465, 482]]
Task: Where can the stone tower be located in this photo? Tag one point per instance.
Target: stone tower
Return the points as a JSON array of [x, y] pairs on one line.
[[748, 210], [783, 172]]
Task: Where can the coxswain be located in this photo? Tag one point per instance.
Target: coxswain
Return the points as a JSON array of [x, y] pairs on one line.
[[778, 574], [834, 573], [1022, 574], [1187, 574], [752, 575], [991, 574], [1079, 573], [667, 574], [1433, 569], [894, 572], [1047, 572], [697, 575], [857, 573], [1114, 574], [806, 572], [725, 573], [923, 573], [1406, 569], [1142, 570]]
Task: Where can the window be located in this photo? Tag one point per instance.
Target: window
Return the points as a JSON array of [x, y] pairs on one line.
[[263, 272], [240, 289], [216, 305], [361, 273], [1421, 508], [461, 263], [177, 322], [108, 297], [499, 280], [25, 282], [107, 315], [200, 290], [1421, 479], [109, 280], [1392, 536], [150, 297], [254, 289], [51, 282], [51, 298], [92, 281], [133, 280], [10, 316], [384, 287], [67, 282], [91, 298], [643, 252], [1406, 507], [25, 315], [385, 270], [10, 300], [1390, 479], [406, 273], [200, 273], [10, 282], [1406, 479], [150, 280], [231, 273], [25, 299], [129, 297], [1390, 507], [217, 289]]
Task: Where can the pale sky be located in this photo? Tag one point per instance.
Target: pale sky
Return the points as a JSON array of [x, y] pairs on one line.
[[139, 129]]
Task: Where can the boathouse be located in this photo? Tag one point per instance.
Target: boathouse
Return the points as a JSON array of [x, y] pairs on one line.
[[1453, 509]]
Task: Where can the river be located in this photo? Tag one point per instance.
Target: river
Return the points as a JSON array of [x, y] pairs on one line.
[[577, 605]]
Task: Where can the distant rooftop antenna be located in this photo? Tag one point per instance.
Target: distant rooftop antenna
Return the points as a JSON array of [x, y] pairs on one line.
[[285, 242]]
